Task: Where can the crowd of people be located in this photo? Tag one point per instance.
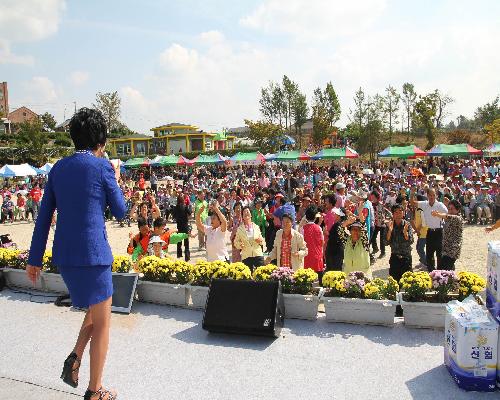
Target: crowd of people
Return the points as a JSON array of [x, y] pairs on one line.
[[325, 216], [339, 216]]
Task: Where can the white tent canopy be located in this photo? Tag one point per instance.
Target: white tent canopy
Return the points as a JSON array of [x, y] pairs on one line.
[[17, 170]]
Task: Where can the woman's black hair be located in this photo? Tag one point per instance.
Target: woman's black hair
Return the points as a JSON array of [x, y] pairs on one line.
[[238, 203], [87, 129], [456, 204], [311, 213], [246, 207]]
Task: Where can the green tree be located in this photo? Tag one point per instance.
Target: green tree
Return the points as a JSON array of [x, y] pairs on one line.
[[320, 118], [121, 130], [488, 113], [409, 99], [62, 139], [426, 109], [264, 134], [48, 122], [109, 104], [493, 130], [442, 103], [391, 108], [332, 104], [300, 112], [372, 135], [290, 92], [32, 140], [358, 114]]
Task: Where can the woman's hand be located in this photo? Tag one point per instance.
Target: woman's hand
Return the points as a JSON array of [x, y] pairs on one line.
[[33, 273]]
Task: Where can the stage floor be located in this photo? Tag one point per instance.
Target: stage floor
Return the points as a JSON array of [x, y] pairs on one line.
[[161, 352]]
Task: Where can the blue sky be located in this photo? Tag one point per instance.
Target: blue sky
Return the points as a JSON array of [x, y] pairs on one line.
[[204, 62]]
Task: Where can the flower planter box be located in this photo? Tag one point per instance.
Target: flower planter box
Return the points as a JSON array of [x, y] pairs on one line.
[[360, 311], [163, 293], [300, 306], [54, 283], [423, 314], [19, 278], [199, 296]]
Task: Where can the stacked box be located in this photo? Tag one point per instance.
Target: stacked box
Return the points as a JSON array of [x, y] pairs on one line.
[[492, 275], [471, 346]]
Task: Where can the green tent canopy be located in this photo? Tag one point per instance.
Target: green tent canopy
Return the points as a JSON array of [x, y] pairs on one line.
[[248, 158], [136, 163], [449, 150], [402, 152], [335, 154]]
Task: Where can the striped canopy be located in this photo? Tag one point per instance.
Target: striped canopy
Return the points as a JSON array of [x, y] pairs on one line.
[[292, 155], [137, 162], [335, 154], [402, 152], [449, 150], [492, 148], [248, 158]]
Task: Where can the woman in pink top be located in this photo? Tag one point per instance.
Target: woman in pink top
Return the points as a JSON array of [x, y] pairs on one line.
[[314, 239]]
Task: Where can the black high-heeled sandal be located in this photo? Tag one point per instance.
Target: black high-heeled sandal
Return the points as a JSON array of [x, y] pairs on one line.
[[101, 392], [68, 370]]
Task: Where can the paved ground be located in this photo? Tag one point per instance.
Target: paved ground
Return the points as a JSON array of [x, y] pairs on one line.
[[160, 352]]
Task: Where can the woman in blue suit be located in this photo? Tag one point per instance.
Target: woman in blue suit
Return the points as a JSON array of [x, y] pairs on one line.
[[81, 187]]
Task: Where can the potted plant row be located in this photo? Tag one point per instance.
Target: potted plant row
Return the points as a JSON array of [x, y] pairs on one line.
[[354, 298], [301, 298], [164, 281], [13, 263], [424, 295]]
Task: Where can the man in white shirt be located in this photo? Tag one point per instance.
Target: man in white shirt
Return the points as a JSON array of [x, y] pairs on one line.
[[435, 229], [215, 233]]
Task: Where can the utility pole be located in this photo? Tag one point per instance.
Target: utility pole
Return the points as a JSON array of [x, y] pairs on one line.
[[75, 106]]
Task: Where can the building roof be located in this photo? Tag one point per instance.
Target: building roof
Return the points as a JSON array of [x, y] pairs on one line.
[[133, 136], [25, 108], [64, 124], [175, 125]]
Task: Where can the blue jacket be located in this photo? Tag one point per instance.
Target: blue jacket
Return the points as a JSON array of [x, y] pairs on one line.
[[80, 187]]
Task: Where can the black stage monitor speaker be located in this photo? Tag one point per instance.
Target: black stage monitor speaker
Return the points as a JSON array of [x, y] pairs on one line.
[[244, 307]]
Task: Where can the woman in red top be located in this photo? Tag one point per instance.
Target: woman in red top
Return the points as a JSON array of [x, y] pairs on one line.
[[313, 236]]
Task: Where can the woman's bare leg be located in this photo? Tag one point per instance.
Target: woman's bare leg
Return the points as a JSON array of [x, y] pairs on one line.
[[84, 336], [101, 318]]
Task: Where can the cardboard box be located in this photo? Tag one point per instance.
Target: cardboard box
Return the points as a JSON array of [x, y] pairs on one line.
[[471, 346], [492, 276]]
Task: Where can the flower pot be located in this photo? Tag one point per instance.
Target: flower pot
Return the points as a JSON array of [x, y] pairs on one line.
[[423, 314], [199, 296], [19, 278], [360, 311], [302, 306], [54, 283], [163, 293]]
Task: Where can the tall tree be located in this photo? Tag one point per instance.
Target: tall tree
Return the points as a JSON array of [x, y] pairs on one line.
[[321, 122], [409, 99], [32, 140], [391, 108], [48, 122], [332, 104], [488, 113], [300, 112], [442, 103], [426, 109], [358, 114], [372, 136], [493, 130], [109, 104], [290, 92]]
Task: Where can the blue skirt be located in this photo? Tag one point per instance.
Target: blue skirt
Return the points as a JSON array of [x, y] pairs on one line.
[[88, 285]]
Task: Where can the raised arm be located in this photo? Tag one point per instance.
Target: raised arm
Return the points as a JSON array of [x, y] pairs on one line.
[[199, 224], [222, 218]]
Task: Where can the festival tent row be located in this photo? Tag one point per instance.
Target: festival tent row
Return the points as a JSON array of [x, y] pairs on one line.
[[450, 150], [410, 151], [11, 171], [492, 149], [335, 154]]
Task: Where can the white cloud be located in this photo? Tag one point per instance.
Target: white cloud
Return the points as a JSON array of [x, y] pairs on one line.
[[7, 57], [212, 37], [78, 78], [178, 58], [41, 90], [314, 18], [27, 21]]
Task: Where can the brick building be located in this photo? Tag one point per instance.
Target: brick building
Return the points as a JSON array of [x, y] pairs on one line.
[[4, 99], [22, 114]]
